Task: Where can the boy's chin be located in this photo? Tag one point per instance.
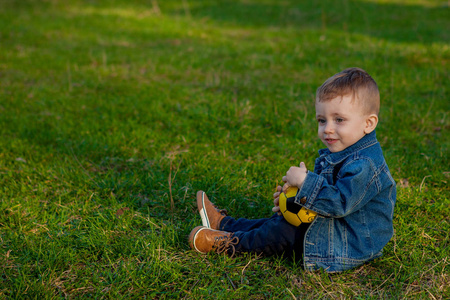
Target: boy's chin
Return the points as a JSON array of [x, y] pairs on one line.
[[335, 148]]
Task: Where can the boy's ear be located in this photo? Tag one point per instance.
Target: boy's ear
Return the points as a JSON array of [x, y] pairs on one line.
[[371, 123]]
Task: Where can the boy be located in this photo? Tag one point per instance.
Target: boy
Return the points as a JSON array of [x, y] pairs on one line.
[[351, 189]]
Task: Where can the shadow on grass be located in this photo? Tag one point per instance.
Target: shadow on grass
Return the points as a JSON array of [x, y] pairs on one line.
[[391, 21]]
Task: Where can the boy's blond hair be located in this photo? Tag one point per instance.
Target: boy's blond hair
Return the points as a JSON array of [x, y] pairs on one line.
[[355, 82]]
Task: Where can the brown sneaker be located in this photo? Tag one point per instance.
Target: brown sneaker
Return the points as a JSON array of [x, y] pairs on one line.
[[205, 240], [211, 216]]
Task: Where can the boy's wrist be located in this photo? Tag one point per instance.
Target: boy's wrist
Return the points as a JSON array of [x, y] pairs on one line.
[[302, 180], [305, 187]]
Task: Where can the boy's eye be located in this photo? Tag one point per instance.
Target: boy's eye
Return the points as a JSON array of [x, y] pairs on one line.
[[321, 121], [339, 120]]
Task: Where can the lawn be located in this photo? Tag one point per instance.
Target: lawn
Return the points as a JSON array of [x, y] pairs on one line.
[[113, 114]]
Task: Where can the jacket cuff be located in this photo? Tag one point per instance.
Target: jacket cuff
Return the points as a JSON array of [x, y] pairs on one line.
[[310, 188]]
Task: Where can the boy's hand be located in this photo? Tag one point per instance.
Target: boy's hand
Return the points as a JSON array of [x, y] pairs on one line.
[[276, 200], [295, 176]]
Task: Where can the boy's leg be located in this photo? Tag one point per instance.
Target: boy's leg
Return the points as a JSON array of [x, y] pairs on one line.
[[269, 236], [231, 224], [273, 236]]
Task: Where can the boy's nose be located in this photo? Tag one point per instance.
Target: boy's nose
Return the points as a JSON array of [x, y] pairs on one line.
[[329, 128]]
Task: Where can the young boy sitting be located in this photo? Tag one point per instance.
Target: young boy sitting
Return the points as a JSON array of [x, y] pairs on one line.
[[351, 190]]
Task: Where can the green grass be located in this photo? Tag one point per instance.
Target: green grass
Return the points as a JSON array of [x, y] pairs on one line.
[[114, 113]]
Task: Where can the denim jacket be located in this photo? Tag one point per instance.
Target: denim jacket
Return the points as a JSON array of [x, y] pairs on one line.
[[354, 195]]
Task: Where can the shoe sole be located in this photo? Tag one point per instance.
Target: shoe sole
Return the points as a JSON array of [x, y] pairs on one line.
[[202, 210]]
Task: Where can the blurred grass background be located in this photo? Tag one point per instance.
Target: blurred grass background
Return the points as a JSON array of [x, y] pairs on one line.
[[114, 113]]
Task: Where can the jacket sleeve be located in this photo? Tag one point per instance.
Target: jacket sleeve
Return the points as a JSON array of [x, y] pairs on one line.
[[356, 184]]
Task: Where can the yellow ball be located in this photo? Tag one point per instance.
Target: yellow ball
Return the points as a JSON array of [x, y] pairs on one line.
[[292, 212]]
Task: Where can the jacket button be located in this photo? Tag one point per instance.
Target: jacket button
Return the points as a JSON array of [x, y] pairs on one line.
[[303, 200]]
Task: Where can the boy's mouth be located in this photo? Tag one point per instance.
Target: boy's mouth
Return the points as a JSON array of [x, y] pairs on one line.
[[331, 141]]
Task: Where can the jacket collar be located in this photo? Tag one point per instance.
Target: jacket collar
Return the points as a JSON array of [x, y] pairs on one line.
[[336, 157]]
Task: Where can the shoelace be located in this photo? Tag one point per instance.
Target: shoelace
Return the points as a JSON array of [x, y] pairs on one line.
[[222, 211], [223, 243]]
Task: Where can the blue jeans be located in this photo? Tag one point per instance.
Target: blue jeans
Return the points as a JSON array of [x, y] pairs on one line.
[[269, 236]]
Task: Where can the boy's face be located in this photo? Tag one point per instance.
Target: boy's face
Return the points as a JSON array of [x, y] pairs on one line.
[[342, 122]]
